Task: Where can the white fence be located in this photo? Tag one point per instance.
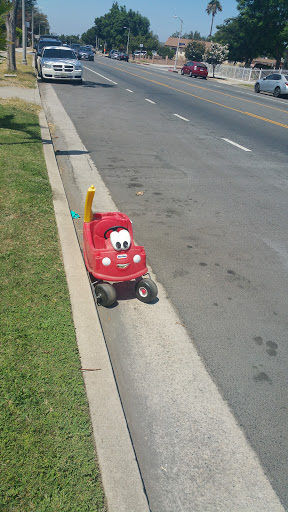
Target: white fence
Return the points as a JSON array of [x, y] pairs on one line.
[[242, 74]]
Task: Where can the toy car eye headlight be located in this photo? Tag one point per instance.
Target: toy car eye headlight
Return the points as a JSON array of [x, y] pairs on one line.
[[120, 241], [115, 241], [125, 238]]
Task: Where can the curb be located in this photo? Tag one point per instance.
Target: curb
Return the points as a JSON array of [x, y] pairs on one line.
[[120, 474]]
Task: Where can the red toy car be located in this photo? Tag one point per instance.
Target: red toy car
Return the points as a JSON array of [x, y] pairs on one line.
[[111, 255]]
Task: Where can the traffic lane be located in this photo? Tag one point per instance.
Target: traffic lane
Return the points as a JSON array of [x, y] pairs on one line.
[[253, 132], [229, 286], [188, 104], [279, 106], [197, 210]]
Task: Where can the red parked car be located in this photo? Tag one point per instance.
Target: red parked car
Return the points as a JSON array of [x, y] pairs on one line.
[[192, 68]]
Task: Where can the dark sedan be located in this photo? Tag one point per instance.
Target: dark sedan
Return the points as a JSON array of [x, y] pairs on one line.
[[122, 56], [85, 53]]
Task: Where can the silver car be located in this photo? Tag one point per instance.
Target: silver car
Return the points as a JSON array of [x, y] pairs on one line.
[[59, 63], [276, 84]]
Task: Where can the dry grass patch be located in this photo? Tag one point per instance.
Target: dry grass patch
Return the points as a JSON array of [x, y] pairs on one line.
[[25, 73]]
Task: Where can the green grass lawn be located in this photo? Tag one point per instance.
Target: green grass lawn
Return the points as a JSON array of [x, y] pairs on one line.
[[48, 459]]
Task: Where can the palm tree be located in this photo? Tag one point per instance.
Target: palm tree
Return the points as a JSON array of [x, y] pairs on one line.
[[214, 6]]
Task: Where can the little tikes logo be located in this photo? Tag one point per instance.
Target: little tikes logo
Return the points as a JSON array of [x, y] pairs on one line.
[[121, 256]]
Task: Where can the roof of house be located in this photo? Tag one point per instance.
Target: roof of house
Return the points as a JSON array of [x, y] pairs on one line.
[[172, 42]]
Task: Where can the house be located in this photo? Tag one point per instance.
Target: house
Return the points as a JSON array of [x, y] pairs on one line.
[[172, 43]]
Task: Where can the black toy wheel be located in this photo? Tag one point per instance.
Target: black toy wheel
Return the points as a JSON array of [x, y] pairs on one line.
[[105, 294], [146, 290]]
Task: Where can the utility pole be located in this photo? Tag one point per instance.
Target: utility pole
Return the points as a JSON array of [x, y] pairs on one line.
[[178, 43], [24, 33], [32, 29]]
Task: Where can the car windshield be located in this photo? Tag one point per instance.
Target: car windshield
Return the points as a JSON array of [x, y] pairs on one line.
[[41, 44], [54, 53], [85, 49], [286, 77]]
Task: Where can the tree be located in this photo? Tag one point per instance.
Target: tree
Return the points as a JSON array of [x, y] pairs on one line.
[[195, 51], [268, 20], [213, 7], [165, 51], [89, 37], [242, 41], [5, 6], [110, 28], [216, 54], [10, 21]]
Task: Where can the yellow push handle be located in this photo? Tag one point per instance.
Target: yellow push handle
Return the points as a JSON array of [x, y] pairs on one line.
[[88, 214]]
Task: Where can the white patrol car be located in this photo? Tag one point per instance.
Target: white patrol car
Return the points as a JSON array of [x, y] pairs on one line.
[[59, 63]]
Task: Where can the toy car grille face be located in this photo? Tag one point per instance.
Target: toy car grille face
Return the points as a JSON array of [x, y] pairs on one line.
[[120, 241]]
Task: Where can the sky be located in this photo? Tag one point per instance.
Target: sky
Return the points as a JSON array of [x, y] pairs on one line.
[[73, 17]]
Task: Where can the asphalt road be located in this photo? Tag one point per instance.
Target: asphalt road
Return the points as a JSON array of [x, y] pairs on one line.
[[213, 221]]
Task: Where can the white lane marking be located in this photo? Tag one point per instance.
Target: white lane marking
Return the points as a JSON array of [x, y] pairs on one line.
[[180, 117], [235, 144], [129, 90], [150, 101], [100, 75]]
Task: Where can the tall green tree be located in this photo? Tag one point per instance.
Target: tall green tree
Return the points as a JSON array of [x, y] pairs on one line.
[[268, 19], [259, 29], [241, 40], [213, 7], [195, 51], [5, 6], [10, 21], [112, 29]]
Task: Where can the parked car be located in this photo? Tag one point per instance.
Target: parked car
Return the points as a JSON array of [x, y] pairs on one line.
[[85, 53], [111, 53], [59, 63], [122, 56], [140, 53], [276, 84], [193, 68], [41, 44], [115, 55], [75, 47]]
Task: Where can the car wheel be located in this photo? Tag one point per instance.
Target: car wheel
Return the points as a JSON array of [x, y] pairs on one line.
[[257, 87], [277, 92], [146, 290], [182, 72], [191, 74], [105, 294]]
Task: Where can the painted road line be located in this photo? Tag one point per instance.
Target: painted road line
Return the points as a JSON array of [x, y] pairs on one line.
[[180, 117], [209, 101], [150, 101], [129, 90], [100, 75], [235, 144]]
